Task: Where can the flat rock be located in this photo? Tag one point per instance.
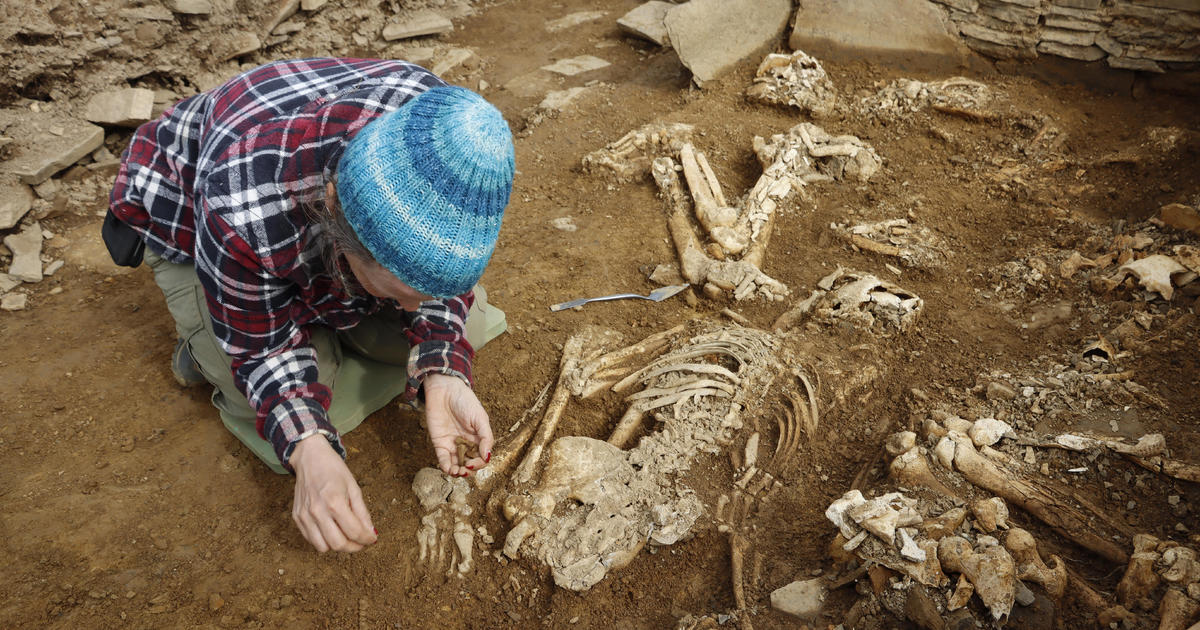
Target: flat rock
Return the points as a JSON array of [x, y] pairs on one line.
[[802, 598], [46, 143], [126, 107], [284, 9], [15, 200], [573, 19], [451, 59], [576, 65], [416, 24], [312, 5], [905, 26], [14, 302], [711, 36], [8, 283], [151, 13], [26, 248], [190, 7], [560, 99], [235, 45], [646, 21], [1176, 215]]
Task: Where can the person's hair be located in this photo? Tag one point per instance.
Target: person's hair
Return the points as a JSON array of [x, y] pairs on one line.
[[335, 234]]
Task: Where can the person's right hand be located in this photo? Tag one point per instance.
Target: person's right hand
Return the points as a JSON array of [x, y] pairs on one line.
[[328, 506]]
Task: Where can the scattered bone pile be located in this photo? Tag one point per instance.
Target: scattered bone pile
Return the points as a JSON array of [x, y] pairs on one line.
[[904, 96], [808, 150], [797, 80], [921, 535], [858, 299], [629, 157], [912, 244]]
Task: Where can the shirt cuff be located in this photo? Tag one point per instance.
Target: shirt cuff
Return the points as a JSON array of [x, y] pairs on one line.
[[293, 420], [440, 357]]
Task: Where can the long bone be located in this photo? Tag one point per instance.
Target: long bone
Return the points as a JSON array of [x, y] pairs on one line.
[[572, 351], [1050, 507]]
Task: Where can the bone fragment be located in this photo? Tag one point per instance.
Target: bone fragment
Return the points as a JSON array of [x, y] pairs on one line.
[[992, 570], [1177, 610], [911, 469], [988, 431], [962, 594], [1149, 445], [629, 157], [945, 524], [1030, 567], [1140, 579], [463, 537], [751, 451], [990, 514]]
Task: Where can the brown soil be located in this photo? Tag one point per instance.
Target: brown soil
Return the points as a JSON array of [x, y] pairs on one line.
[[126, 504]]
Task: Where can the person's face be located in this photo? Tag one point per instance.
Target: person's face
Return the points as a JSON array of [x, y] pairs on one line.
[[381, 283]]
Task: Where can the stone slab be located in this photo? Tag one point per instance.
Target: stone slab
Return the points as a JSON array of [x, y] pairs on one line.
[[560, 99], [312, 5], [802, 598], [1181, 217], [235, 45], [46, 143], [451, 59], [646, 21], [190, 7], [576, 65], [1070, 38], [26, 248], [14, 302], [1125, 63], [417, 24], [711, 36], [573, 19], [125, 107], [1078, 4], [15, 200], [8, 283], [1082, 53], [150, 13], [284, 9], [905, 26]]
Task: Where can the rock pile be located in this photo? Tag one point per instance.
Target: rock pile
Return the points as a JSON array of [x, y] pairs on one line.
[[1146, 36]]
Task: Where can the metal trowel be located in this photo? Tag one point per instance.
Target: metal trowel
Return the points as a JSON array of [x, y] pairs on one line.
[[656, 295]]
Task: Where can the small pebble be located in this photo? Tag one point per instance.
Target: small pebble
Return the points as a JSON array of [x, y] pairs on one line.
[[1173, 499]]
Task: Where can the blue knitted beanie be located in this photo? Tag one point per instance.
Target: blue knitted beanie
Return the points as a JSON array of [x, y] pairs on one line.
[[424, 188]]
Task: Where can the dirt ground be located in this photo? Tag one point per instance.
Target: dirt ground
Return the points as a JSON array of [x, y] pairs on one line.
[[126, 504]]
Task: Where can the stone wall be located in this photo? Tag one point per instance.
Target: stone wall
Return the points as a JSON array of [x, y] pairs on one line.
[[1149, 35]]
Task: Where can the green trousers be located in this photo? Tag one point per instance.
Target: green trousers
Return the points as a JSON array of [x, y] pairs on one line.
[[365, 366]]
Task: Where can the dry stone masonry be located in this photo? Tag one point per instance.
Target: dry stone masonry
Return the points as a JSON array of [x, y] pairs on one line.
[[1148, 35]]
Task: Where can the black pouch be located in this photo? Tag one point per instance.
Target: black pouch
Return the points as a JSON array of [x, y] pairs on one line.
[[124, 244]]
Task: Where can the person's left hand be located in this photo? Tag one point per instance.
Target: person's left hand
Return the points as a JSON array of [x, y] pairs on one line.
[[453, 411]]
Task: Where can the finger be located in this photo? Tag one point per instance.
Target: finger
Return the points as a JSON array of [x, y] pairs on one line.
[[445, 459], [351, 525], [310, 531], [359, 507], [333, 535], [486, 442]]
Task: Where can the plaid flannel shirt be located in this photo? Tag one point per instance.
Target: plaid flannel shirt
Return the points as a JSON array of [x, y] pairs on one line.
[[224, 180]]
